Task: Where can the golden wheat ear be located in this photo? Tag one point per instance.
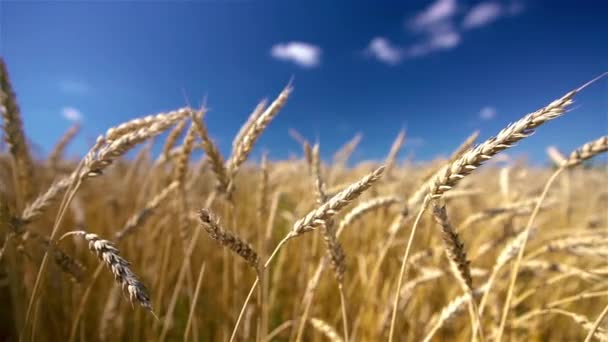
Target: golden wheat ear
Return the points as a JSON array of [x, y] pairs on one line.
[[120, 268], [228, 239], [15, 135]]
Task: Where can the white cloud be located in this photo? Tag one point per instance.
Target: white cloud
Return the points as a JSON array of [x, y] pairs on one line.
[[487, 113], [71, 114], [482, 14], [434, 43], [303, 54], [437, 12], [446, 40], [435, 26], [382, 49]]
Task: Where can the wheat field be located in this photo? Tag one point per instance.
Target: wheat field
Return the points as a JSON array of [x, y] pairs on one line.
[[165, 247]]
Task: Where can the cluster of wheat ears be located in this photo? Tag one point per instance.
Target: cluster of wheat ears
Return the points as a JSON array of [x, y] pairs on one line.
[[219, 249]]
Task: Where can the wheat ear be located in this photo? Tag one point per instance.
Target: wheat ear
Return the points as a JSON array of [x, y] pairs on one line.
[[506, 138], [15, 135], [312, 220], [257, 111], [588, 151], [452, 173], [350, 217], [585, 152], [460, 265], [213, 154], [454, 248], [228, 239], [556, 156], [95, 163], [57, 152], [172, 139], [334, 248], [98, 158], [119, 267], [42, 202], [326, 329], [365, 207], [344, 153], [181, 163], [244, 147], [140, 218], [391, 158], [333, 205]]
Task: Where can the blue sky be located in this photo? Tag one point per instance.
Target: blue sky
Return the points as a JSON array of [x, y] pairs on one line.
[[439, 68]]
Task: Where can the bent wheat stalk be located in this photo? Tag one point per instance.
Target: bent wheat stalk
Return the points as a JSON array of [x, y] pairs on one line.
[[452, 173], [596, 325], [117, 140], [314, 219], [585, 152]]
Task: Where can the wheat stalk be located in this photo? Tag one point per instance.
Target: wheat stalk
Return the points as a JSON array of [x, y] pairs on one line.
[[314, 219], [109, 313], [452, 173], [599, 333], [334, 248], [579, 155]]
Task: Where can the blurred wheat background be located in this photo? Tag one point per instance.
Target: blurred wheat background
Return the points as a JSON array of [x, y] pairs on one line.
[[165, 247]]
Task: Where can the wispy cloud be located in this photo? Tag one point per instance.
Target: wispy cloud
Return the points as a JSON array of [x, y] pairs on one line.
[[435, 28], [383, 50], [487, 113], [482, 14], [437, 12], [74, 87], [303, 54], [71, 114], [440, 27], [437, 42]]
